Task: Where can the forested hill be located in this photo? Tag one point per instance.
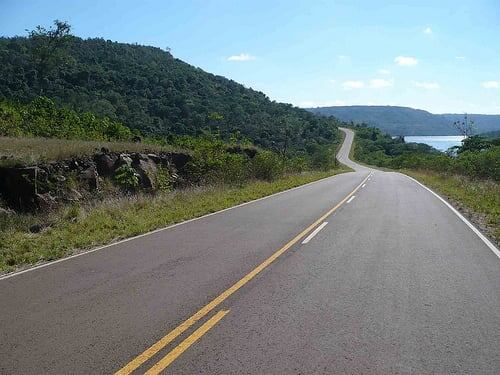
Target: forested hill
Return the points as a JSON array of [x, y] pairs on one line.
[[407, 121], [148, 89]]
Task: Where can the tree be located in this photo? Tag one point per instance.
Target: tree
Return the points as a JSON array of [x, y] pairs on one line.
[[465, 127], [474, 144], [47, 48], [146, 89]]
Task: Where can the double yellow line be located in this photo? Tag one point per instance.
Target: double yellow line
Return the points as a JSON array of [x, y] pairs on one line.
[[172, 335]]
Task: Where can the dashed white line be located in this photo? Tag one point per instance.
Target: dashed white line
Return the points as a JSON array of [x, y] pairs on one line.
[[363, 185], [315, 232], [350, 199], [88, 252]]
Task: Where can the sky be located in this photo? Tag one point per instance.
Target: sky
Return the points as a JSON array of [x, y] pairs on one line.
[[442, 56]]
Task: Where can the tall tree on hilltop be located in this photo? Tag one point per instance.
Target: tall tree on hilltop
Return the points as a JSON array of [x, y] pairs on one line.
[[48, 48]]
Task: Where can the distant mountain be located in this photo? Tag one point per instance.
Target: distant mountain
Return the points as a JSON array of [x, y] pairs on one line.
[[407, 121], [493, 134]]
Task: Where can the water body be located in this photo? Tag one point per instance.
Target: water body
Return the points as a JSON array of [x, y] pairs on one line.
[[441, 142]]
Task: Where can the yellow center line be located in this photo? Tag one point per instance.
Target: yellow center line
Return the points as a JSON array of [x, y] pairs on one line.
[[183, 346], [172, 335]]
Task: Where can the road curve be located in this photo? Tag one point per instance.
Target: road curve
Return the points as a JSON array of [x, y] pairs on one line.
[[394, 282]]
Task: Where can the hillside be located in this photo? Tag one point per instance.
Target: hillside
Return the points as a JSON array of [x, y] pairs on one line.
[[407, 121], [149, 90], [493, 134]]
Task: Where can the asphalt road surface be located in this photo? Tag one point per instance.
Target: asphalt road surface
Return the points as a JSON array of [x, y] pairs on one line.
[[395, 282]]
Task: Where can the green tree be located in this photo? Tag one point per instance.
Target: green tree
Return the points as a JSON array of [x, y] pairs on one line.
[[474, 143], [48, 47]]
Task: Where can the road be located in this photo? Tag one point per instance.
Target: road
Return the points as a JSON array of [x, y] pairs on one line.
[[394, 283]]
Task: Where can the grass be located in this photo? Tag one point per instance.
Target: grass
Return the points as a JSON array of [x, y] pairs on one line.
[[479, 196], [75, 228], [31, 151]]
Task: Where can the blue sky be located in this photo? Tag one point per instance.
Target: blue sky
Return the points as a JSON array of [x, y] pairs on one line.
[[442, 56]]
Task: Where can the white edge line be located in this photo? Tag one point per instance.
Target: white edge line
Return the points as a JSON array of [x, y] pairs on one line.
[[314, 233], [350, 199], [12, 274], [363, 185], [467, 222]]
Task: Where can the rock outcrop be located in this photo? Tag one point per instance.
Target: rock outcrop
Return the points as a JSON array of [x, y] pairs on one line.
[[43, 186]]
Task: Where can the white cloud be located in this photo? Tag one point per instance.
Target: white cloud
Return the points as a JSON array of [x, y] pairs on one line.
[[491, 85], [379, 83], [406, 61], [460, 57], [353, 85], [241, 57], [332, 81], [384, 72], [427, 85], [428, 31]]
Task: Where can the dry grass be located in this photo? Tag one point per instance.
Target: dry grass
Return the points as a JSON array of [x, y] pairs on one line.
[[75, 228], [36, 150]]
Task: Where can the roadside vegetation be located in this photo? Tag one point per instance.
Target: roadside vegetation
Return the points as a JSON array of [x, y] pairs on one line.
[[82, 226], [72, 207], [468, 175], [30, 151], [477, 158]]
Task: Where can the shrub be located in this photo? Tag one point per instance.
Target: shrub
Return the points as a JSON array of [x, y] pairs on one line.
[[322, 158], [297, 164], [163, 179], [266, 165], [127, 177]]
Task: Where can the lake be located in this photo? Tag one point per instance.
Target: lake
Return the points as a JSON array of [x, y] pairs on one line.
[[441, 142]]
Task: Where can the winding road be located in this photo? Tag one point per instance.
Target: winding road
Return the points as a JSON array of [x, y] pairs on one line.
[[366, 272]]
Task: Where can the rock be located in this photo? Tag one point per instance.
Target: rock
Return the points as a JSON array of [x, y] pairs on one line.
[[105, 164], [36, 228], [157, 159], [45, 201], [57, 178], [179, 159], [137, 156], [48, 169], [6, 211], [105, 150], [73, 195], [73, 165], [91, 177], [122, 160], [147, 172], [19, 186]]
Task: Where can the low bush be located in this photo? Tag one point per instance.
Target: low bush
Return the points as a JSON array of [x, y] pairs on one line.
[[267, 166], [127, 177]]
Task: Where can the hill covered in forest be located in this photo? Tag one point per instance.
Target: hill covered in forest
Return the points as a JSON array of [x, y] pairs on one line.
[[149, 90], [407, 121]]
